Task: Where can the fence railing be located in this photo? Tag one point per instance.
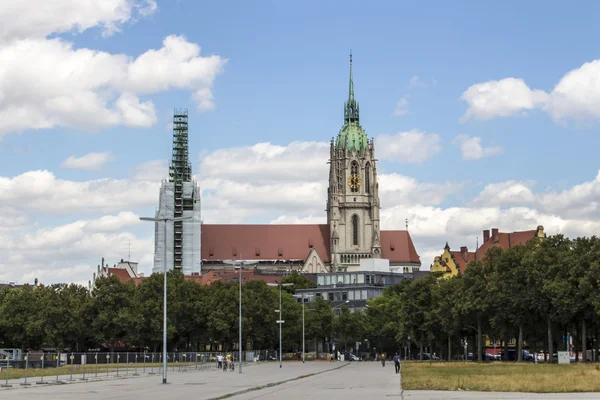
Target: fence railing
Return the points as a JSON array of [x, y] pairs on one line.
[[63, 367]]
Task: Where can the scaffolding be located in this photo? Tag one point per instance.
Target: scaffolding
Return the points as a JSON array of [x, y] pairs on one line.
[[179, 197]]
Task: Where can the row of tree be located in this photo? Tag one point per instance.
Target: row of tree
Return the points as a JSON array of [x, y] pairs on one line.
[[539, 294], [116, 314], [536, 293]]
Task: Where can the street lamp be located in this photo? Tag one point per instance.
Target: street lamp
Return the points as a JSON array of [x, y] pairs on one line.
[[280, 322], [332, 309], [241, 266], [165, 220], [301, 296]]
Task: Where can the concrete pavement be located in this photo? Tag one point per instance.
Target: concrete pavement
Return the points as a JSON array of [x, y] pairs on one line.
[[313, 380]]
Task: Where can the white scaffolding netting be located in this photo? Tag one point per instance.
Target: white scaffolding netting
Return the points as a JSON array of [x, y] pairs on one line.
[[191, 260]]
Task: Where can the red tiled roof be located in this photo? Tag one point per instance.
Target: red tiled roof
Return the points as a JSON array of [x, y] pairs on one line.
[[505, 240], [264, 242], [462, 260], [233, 276], [397, 246], [120, 273], [289, 242]]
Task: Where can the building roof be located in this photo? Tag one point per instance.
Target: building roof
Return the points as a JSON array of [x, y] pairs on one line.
[[289, 242], [462, 259], [120, 273], [233, 276], [397, 246], [264, 242], [505, 240]]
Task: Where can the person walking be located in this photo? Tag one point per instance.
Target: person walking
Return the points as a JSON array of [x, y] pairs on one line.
[[397, 363]]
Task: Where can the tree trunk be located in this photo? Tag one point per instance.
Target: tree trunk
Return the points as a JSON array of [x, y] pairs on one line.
[[583, 341], [520, 344], [449, 348], [479, 338], [505, 345], [550, 344], [421, 350]]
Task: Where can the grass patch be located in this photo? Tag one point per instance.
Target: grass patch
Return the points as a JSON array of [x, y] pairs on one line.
[[501, 377]]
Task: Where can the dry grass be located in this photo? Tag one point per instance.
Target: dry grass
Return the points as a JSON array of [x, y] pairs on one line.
[[90, 370], [501, 377]]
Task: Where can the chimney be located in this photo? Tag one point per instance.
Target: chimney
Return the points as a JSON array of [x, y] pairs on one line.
[[486, 235], [463, 252], [495, 234]]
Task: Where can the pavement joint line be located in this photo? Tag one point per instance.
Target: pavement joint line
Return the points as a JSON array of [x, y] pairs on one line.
[[272, 384]]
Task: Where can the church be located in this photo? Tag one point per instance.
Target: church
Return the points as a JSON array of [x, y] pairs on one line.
[[352, 232]]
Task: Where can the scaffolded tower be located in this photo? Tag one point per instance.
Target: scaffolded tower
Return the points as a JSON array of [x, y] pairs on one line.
[[179, 197]]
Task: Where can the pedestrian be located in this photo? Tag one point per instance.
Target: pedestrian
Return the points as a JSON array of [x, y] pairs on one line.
[[219, 361], [397, 363]]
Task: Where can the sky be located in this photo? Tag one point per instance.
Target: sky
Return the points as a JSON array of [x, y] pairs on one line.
[[484, 115]]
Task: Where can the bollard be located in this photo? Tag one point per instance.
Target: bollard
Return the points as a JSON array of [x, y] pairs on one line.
[[135, 366], [96, 357], [7, 367], [127, 363], [197, 361], [57, 363], [107, 359], [151, 365], [83, 363], [144, 362], [118, 357], [26, 370], [41, 381]]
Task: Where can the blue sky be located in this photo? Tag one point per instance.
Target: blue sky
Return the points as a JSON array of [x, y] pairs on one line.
[[283, 78]]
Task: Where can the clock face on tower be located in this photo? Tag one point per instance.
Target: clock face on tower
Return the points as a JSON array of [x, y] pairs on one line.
[[354, 181]]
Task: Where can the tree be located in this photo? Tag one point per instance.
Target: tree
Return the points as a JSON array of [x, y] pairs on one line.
[[300, 281]]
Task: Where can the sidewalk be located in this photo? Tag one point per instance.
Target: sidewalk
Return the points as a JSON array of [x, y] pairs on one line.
[[206, 384]]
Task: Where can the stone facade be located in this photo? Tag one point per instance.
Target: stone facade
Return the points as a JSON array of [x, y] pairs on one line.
[[353, 193]]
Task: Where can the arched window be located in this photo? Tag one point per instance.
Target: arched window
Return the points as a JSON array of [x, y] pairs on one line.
[[354, 168], [368, 178], [355, 230]]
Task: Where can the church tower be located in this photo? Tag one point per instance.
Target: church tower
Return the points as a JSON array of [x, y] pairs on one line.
[[353, 193]]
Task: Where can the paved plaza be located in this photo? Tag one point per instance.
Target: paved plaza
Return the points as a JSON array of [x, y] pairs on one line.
[[314, 380]]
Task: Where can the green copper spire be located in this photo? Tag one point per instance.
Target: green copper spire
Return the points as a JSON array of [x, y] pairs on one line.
[[351, 136], [351, 106]]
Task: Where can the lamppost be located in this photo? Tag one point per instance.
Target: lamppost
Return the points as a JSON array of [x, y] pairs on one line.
[[332, 309], [241, 266], [165, 220], [280, 322], [301, 296]]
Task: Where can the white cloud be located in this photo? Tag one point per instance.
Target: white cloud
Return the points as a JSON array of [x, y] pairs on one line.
[[70, 252], [401, 106], [90, 161], [500, 99], [575, 97], [41, 192], [39, 18], [416, 81], [472, 149], [408, 147], [48, 83], [270, 183], [509, 193]]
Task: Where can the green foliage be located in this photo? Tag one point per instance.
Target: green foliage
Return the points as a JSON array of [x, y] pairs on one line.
[[538, 292]]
